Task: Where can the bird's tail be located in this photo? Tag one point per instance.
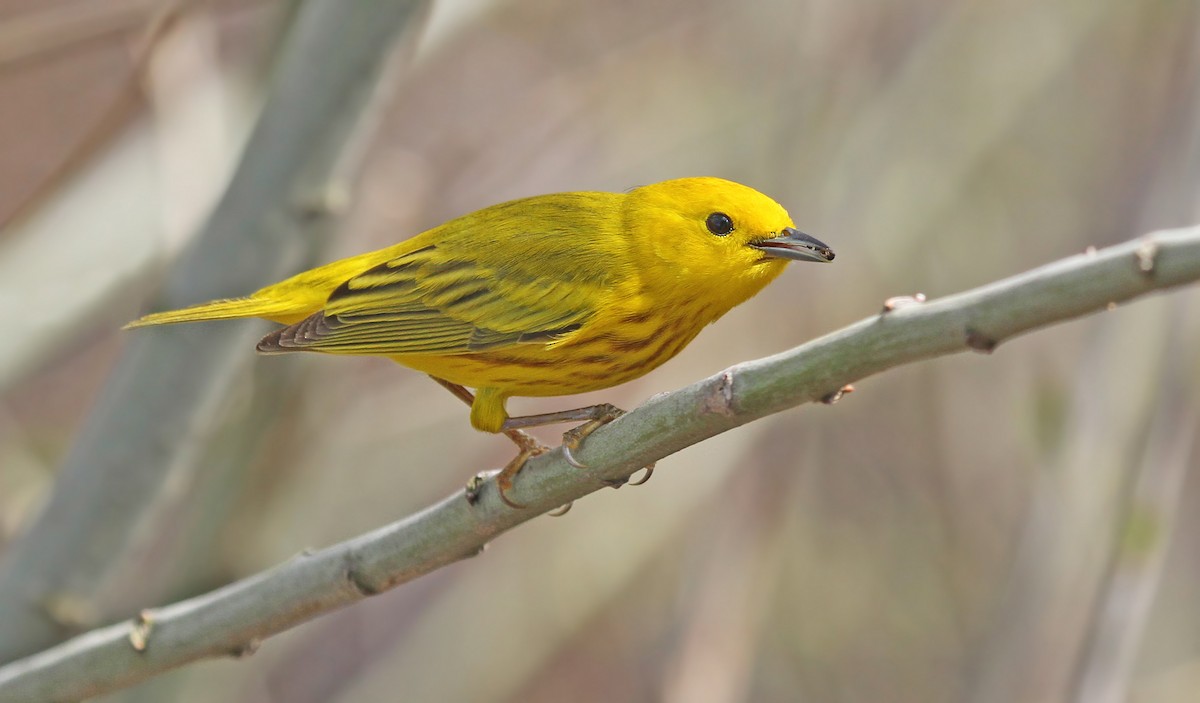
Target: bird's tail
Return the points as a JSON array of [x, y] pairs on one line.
[[284, 312]]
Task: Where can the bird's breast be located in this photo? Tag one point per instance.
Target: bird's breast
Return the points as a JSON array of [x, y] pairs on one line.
[[627, 337], [628, 341]]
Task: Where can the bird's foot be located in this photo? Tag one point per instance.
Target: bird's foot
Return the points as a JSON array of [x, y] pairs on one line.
[[573, 438], [528, 447]]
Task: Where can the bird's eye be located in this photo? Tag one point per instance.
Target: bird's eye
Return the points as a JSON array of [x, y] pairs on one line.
[[719, 224]]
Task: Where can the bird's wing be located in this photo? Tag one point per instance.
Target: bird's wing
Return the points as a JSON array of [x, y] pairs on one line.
[[448, 299]]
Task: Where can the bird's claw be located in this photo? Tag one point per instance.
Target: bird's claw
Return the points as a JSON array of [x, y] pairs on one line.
[[562, 510], [574, 437], [529, 448], [504, 480], [624, 480], [569, 457], [649, 469]]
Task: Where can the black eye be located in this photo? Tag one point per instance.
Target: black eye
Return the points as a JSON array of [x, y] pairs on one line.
[[719, 223]]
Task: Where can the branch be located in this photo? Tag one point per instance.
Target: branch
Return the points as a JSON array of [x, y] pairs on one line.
[[234, 619], [144, 441]]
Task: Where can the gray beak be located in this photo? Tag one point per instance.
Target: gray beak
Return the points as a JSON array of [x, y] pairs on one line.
[[796, 245]]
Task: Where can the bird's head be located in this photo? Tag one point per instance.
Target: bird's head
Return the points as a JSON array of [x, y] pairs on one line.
[[715, 231]]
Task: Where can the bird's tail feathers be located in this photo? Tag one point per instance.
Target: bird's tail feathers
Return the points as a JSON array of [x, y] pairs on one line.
[[231, 309]]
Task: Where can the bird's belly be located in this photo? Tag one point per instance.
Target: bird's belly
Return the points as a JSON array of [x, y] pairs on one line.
[[586, 362]]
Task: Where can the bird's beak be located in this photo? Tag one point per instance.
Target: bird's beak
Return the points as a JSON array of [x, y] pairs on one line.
[[794, 244]]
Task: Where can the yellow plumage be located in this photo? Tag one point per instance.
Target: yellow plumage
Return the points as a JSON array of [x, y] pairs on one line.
[[550, 295]]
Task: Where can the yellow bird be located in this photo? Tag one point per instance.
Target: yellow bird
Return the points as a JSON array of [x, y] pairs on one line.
[[543, 296]]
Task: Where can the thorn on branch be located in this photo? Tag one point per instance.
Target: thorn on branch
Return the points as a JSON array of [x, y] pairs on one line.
[[475, 486], [473, 551], [980, 342], [900, 301], [139, 634], [355, 579], [246, 649], [1147, 255], [831, 398], [719, 401]]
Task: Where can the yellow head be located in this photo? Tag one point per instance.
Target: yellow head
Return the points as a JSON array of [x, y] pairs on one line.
[[714, 233]]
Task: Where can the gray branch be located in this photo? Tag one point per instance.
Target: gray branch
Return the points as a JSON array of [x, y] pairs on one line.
[[233, 620], [144, 442]]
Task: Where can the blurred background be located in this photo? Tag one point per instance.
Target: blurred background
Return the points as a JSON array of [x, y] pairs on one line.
[[975, 528]]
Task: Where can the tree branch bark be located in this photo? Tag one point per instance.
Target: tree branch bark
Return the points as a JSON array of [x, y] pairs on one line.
[[145, 438], [234, 619]]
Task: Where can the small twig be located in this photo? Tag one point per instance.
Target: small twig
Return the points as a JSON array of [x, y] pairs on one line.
[[233, 619]]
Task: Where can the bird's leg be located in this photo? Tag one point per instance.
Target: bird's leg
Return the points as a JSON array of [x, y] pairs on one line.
[[459, 392], [601, 414], [595, 417], [527, 447], [519, 438], [527, 450]]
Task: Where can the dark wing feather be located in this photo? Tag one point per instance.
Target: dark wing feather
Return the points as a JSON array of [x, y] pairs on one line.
[[446, 300]]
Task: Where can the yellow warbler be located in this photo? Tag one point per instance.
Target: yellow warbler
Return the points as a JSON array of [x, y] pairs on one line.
[[543, 296]]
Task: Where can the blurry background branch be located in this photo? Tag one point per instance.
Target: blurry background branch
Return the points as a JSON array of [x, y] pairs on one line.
[[118, 498], [233, 620]]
